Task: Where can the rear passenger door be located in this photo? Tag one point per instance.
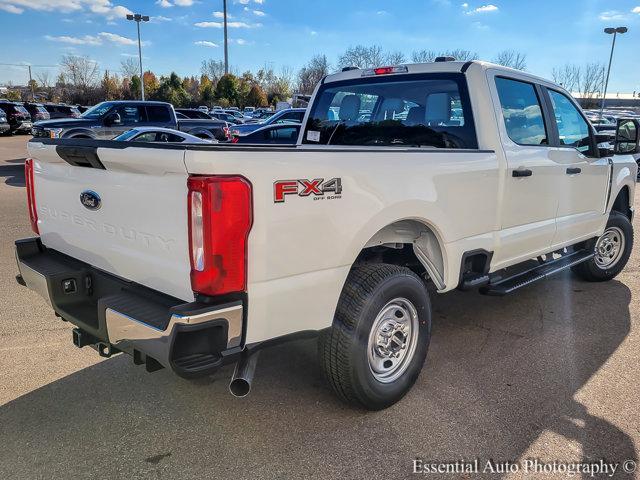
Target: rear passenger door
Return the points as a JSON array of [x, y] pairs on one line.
[[584, 177], [159, 116], [530, 200]]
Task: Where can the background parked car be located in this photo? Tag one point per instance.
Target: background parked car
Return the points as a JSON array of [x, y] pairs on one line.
[[37, 111], [4, 124], [280, 134], [291, 115], [237, 114], [61, 111], [17, 116], [162, 135], [193, 113], [227, 117]]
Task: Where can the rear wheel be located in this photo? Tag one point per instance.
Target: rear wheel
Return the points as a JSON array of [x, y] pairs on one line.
[[375, 349], [611, 251]]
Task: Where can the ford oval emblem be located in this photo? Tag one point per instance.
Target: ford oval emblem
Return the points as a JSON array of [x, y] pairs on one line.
[[90, 200]]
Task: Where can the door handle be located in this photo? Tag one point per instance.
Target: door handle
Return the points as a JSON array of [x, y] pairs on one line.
[[522, 173], [573, 170]]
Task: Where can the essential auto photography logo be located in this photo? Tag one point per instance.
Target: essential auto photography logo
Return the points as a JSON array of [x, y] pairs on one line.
[[529, 466]]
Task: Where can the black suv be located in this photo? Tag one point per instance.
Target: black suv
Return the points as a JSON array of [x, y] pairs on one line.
[[18, 117], [61, 111], [37, 111]]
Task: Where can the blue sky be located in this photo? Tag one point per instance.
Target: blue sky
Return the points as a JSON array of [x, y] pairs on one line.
[[288, 32]]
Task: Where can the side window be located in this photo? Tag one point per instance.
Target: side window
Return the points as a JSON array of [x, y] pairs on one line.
[[522, 112], [573, 129], [129, 115], [158, 114], [291, 117], [286, 133], [146, 137]]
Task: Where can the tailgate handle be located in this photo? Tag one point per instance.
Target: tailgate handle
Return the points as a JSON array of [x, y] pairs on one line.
[[80, 156]]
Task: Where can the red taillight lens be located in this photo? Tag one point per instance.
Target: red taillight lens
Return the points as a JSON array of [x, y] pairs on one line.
[[220, 218], [31, 195]]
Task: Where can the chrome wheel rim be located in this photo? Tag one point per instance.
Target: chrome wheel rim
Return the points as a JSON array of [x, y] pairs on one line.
[[392, 340], [609, 248]]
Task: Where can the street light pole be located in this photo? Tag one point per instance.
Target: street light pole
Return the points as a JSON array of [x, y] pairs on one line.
[[610, 31], [226, 44], [139, 18]]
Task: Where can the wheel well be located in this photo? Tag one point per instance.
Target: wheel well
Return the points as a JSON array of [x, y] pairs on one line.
[[407, 243], [621, 203]]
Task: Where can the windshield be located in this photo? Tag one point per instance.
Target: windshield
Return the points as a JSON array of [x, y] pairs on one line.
[[99, 110], [21, 109]]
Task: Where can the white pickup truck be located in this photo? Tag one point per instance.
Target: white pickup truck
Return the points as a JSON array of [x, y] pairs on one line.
[[450, 174]]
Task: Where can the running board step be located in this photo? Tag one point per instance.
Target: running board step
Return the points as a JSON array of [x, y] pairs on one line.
[[506, 285]]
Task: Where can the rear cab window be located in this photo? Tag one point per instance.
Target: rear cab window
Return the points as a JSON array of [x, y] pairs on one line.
[[415, 110]]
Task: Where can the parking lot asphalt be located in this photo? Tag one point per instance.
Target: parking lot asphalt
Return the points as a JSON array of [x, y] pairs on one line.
[[551, 372]]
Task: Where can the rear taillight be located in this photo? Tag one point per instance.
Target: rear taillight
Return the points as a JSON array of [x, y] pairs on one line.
[[31, 195], [220, 218]]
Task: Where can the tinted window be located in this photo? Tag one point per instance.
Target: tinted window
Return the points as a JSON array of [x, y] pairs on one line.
[[285, 133], [572, 127], [430, 110], [522, 112], [291, 117], [129, 114], [158, 137], [158, 113]]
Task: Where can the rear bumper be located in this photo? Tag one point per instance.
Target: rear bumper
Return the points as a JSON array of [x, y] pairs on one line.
[[113, 315]]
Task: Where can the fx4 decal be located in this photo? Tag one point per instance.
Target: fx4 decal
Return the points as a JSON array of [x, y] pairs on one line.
[[331, 189]]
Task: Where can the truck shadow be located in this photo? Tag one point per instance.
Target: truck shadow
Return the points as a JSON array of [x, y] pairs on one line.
[[13, 174], [501, 372]]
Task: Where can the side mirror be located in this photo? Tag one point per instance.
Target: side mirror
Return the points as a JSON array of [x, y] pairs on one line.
[[112, 119], [627, 140]]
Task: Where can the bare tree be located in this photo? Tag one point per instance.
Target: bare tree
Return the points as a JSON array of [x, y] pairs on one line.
[[129, 67], [44, 78], [312, 73], [395, 58], [214, 69], [512, 59], [426, 56], [586, 81], [81, 72], [568, 75], [362, 57], [591, 83]]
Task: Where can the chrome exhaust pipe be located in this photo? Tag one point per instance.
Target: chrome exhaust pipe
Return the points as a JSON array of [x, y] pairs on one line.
[[240, 384]]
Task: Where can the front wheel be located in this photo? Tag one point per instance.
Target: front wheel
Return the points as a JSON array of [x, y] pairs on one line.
[[375, 349], [611, 251]]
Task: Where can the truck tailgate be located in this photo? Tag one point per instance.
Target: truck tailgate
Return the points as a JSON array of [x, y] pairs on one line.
[[138, 227]]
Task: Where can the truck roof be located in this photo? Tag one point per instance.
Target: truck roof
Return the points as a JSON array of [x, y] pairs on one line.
[[434, 67]]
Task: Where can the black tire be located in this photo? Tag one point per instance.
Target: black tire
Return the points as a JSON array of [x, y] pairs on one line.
[[591, 270], [343, 348]]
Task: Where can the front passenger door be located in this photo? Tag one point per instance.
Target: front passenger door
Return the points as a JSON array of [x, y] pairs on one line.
[[584, 179]]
